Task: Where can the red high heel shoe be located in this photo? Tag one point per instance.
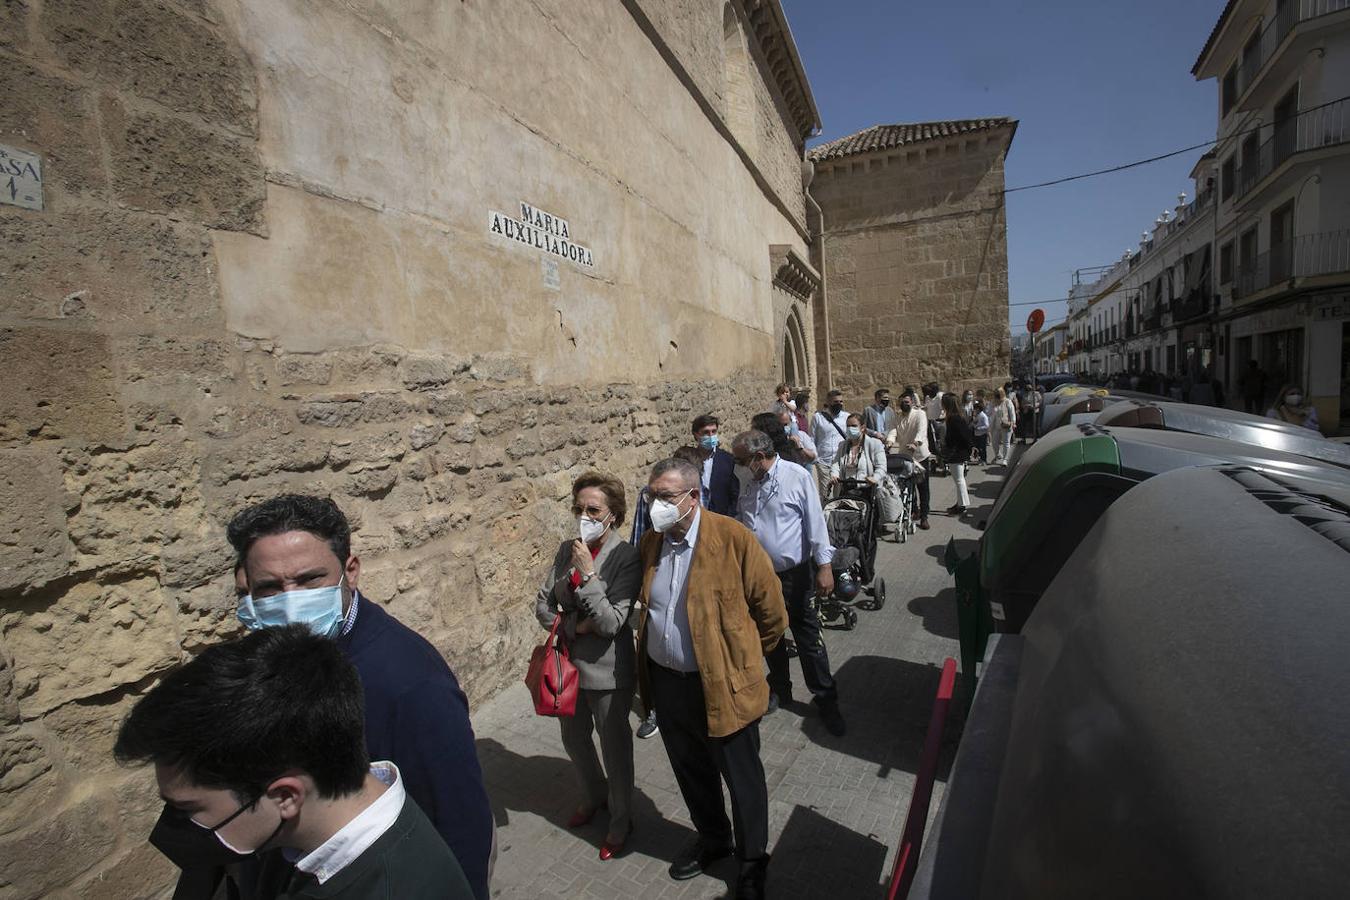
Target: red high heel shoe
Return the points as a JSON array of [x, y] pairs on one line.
[[583, 816], [610, 850]]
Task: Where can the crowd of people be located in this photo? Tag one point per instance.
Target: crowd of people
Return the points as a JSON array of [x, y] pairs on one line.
[[329, 752]]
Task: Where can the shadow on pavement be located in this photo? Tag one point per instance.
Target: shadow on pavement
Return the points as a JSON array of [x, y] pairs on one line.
[[938, 613], [887, 703], [821, 858], [546, 786]]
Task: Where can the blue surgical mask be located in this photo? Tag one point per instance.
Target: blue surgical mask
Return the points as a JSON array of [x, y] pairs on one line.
[[708, 442], [792, 426], [319, 608], [854, 433]]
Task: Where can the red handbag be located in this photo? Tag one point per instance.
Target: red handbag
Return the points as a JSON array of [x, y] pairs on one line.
[[551, 678]]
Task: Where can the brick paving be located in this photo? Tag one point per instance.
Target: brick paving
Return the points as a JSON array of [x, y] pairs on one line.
[[836, 805]]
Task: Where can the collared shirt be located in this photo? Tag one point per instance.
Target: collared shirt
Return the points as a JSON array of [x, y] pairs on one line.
[[932, 407], [349, 620], [669, 642], [827, 438], [880, 419], [783, 510], [355, 838], [707, 477]]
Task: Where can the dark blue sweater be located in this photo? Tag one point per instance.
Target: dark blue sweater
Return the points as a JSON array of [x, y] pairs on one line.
[[418, 718]]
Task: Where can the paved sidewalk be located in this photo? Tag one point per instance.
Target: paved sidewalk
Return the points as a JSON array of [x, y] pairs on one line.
[[836, 805]]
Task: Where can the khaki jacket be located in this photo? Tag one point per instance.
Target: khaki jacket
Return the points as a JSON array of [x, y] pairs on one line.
[[736, 616]]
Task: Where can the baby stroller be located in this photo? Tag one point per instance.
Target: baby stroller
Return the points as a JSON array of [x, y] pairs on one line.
[[896, 496], [851, 519]]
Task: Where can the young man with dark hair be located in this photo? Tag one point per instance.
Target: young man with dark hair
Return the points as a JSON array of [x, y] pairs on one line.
[[296, 552], [717, 474], [258, 745]]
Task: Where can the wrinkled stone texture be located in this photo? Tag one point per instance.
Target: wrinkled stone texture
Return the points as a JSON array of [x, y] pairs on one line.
[[251, 276], [916, 263]]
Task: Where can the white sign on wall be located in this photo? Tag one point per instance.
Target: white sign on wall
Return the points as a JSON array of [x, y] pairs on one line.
[[542, 231], [20, 178]]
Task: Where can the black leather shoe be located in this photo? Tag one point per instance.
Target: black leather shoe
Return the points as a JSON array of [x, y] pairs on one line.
[[773, 704], [697, 857], [750, 885], [831, 718]]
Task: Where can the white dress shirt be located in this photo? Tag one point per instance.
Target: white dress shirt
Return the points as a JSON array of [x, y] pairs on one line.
[[669, 642], [707, 477], [826, 437], [783, 510], [355, 838]]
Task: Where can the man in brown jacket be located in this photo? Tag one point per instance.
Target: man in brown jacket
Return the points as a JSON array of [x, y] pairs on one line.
[[711, 609]]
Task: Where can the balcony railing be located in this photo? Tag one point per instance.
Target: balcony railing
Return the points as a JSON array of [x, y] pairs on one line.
[[1304, 256], [1290, 15], [1325, 126]]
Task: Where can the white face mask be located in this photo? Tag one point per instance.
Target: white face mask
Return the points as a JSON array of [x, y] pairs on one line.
[[1293, 399], [590, 529], [665, 515]]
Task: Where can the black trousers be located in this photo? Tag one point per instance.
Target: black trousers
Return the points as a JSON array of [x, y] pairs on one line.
[[925, 489], [804, 619], [702, 763]]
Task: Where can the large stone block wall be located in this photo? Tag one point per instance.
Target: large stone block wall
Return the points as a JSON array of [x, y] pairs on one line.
[[262, 266], [917, 265]]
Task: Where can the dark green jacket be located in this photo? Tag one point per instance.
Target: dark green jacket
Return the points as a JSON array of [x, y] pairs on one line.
[[410, 861]]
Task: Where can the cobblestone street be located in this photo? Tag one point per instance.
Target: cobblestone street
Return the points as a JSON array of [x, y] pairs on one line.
[[836, 805]]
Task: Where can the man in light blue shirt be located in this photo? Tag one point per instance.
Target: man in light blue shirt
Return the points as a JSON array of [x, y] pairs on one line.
[[780, 505], [828, 429], [669, 643]]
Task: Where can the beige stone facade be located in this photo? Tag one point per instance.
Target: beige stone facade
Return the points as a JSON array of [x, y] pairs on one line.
[[267, 260], [916, 256]]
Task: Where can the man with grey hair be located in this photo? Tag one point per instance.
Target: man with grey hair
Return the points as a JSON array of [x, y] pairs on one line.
[[780, 505], [711, 610]]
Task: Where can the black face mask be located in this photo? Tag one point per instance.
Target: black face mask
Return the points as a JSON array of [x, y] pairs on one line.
[[191, 846], [906, 407], [884, 401]]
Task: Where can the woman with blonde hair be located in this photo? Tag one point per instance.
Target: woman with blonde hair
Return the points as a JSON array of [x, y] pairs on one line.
[[1291, 406], [595, 577]]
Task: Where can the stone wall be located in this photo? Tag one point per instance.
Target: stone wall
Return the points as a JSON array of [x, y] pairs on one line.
[[917, 265], [263, 264]]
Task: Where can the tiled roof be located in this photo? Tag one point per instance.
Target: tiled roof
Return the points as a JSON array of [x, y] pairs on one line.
[[884, 137], [1213, 35]]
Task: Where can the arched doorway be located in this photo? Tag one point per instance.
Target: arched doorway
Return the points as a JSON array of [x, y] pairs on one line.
[[794, 362]]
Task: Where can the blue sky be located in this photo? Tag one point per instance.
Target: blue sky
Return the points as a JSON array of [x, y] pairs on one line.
[[1093, 84]]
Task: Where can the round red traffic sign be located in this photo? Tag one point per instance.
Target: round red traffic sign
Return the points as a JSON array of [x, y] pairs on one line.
[[1035, 320]]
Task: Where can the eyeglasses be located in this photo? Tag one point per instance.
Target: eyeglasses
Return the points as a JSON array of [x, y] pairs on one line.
[[672, 498]]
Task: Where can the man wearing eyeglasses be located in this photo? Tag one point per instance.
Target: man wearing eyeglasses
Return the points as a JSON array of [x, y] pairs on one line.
[[780, 505], [712, 609]]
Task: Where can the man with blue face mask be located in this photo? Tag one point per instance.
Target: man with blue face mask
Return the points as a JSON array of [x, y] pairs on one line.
[[718, 473], [299, 568]]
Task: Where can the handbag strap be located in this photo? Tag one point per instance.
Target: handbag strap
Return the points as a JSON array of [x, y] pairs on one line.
[[558, 645]]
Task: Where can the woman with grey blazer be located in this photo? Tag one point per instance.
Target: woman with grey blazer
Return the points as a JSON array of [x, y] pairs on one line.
[[593, 582]]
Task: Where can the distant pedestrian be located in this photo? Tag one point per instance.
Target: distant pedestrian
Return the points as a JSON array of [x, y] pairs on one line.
[[910, 438], [827, 430], [879, 418], [712, 609], [718, 471], [592, 584], [935, 411], [980, 429], [1001, 426], [260, 759], [1291, 406], [956, 448]]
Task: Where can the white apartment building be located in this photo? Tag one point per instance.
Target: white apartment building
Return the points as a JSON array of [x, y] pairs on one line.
[[1282, 231], [1137, 315], [1050, 353]]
